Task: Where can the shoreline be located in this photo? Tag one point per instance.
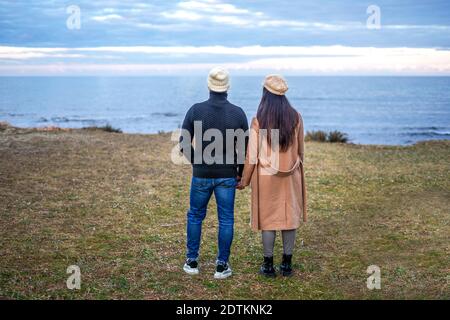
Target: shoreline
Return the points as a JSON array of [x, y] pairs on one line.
[[6, 126]]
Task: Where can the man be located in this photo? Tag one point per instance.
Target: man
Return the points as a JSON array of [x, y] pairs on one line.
[[217, 166]]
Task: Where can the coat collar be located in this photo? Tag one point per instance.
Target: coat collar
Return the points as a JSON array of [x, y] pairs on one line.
[[218, 96]]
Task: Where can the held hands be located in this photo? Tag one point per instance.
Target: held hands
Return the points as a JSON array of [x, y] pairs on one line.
[[239, 185]]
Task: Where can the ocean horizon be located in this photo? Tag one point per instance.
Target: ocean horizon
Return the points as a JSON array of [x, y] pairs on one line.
[[391, 110]]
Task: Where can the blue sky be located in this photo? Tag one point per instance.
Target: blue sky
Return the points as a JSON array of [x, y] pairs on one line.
[[256, 36]]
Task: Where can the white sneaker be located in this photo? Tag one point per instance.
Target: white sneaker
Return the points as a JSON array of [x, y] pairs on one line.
[[191, 267], [223, 271]]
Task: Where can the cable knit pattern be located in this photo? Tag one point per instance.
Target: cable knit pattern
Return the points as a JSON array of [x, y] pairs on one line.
[[216, 113]]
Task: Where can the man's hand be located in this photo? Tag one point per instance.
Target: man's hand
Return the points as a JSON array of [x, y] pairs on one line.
[[239, 186]]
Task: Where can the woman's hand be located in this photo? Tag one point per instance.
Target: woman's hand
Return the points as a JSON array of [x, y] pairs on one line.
[[240, 186]]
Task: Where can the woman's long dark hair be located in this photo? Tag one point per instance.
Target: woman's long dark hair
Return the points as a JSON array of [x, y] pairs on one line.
[[275, 112]]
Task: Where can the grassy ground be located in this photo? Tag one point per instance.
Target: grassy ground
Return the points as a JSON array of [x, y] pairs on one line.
[[115, 205]]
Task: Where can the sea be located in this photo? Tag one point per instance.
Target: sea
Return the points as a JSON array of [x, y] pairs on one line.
[[370, 110]]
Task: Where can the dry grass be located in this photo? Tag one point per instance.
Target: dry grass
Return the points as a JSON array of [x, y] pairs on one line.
[[114, 204]]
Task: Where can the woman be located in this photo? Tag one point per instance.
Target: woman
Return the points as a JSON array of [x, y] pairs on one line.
[[274, 167]]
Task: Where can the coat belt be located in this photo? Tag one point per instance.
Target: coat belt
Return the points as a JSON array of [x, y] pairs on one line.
[[281, 173]]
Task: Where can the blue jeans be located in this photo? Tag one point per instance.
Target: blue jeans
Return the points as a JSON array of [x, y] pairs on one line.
[[224, 190]]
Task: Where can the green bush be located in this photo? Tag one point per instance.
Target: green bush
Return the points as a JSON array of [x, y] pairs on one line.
[[106, 127], [319, 136], [322, 136], [109, 128], [337, 137]]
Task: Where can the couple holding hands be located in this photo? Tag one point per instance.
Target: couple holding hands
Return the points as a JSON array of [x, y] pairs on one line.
[[270, 161]]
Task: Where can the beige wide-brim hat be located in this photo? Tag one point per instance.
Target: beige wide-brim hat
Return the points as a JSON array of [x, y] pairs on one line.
[[218, 80], [276, 84]]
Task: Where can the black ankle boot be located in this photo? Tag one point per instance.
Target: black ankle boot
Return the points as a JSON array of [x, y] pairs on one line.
[[286, 265], [267, 268]]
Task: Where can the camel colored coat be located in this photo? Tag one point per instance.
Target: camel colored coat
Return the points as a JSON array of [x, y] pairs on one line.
[[278, 187]]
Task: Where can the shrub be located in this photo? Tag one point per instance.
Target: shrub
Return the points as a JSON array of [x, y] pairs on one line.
[[106, 128], [322, 136], [109, 128], [319, 136], [337, 137], [4, 125]]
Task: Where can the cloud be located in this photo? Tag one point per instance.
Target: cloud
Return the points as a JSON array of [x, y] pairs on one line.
[[107, 17], [19, 53], [36, 55], [433, 27], [225, 14], [226, 22], [230, 20], [293, 24], [214, 6], [319, 51], [183, 15], [162, 27], [300, 60], [109, 10], [214, 11]]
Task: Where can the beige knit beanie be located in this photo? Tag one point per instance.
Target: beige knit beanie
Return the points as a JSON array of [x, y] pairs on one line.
[[276, 84], [218, 80]]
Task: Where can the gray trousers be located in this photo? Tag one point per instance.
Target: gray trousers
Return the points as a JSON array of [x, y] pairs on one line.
[[268, 240]]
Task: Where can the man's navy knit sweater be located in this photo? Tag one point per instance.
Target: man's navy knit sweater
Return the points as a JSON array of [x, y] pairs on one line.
[[219, 114]]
